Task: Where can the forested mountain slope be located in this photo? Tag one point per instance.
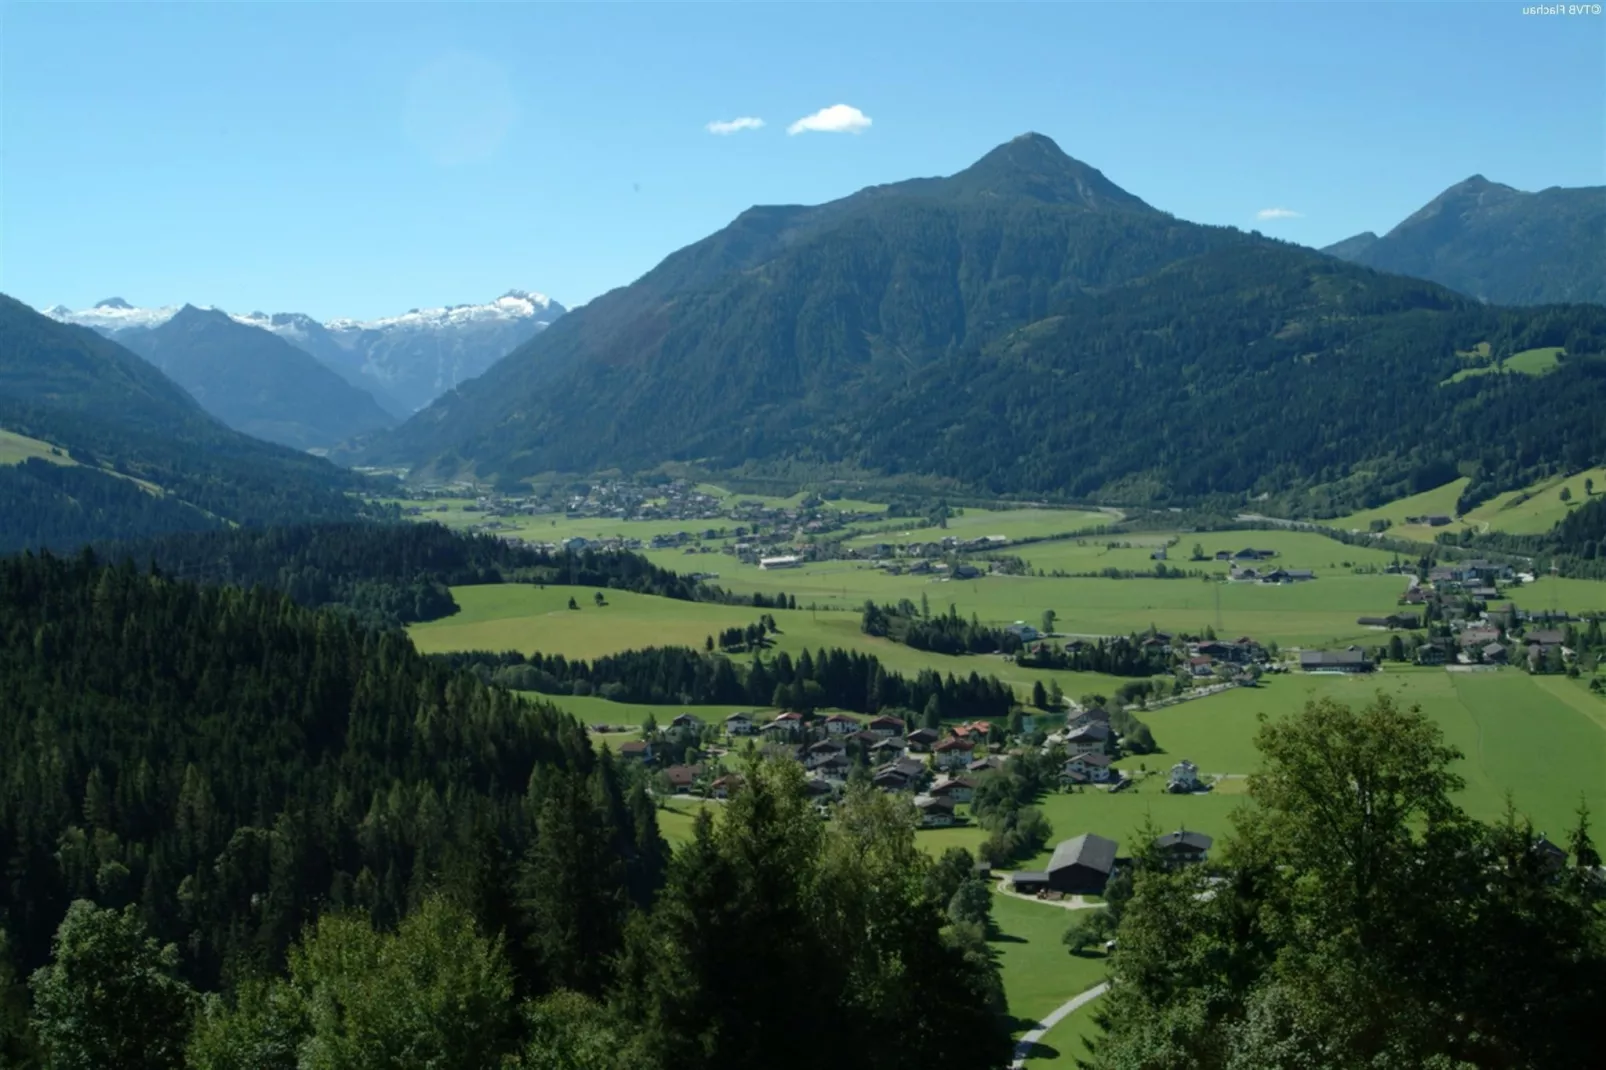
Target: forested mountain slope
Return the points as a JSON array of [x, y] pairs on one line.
[[176, 468], [255, 381], [1498, 244], [1021, 327]]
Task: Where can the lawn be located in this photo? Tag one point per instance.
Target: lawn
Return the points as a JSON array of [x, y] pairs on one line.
[[676, 820], [1065, 1043], [1039, 973], [15, 448]]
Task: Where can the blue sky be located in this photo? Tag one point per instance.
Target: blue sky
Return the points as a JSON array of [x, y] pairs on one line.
[[359, 160]]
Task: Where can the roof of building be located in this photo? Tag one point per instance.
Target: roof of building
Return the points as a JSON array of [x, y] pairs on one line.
[[1332, 657], [1093, 758], [1098, 731], [1029, 876], [1183, 838], [953, 743], [935, 802], [1090, 850]]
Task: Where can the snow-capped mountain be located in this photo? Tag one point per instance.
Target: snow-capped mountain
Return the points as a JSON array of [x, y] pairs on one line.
[[405, 361]]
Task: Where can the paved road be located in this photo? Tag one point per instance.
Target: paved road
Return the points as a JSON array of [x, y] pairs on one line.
[[1023, 1047]]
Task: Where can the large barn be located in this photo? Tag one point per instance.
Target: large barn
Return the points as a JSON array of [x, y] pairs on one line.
[[1082, 866]]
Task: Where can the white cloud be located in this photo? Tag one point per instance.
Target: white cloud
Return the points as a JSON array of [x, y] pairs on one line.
[[837, 119], [734, 126], [1279, 213]]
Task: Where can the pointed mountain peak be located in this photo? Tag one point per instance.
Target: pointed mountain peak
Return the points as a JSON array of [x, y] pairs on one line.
[[1034, 167], [114, 303]]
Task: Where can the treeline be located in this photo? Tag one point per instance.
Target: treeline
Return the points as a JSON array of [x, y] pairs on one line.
[[391, 574], [238, 833], [1116, 656], [943, 633], [60, 505], [1576, 546], [835, 678], [1361, 920]]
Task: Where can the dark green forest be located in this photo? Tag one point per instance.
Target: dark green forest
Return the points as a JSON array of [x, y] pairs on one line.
[[237, 832], [824, 679], [390, 574], [1025, 328], [108, 409]]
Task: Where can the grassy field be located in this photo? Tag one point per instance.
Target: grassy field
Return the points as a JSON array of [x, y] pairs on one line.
[[1011, 523], [1536, 509], [1039, 973], [675, 821], [1529, 362], [15, 448], [1438, 501], [1532, 510], [1063, 1045]]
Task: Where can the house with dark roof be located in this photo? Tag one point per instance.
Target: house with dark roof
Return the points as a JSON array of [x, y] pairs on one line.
[[1082, 866], [936, 811], [952, 753], [1494, 653], [959, 789], [682, 777], [1352, 660], [1087, 716], [685, 721], [992, 763], [922, 739], [885, 727], [840, 724], [1184, 778], [1182, 846], [1092, 766], [1090, 737], [739, 724], [637, 749]]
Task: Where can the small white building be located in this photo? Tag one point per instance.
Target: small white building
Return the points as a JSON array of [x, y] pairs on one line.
[[1184, 777], [783, 561]]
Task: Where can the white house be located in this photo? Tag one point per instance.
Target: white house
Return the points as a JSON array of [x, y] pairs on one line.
[[783, 561], [840, 724], [1095, 767], [935, 811], [739, 724], [951, 754], [1184, 777]]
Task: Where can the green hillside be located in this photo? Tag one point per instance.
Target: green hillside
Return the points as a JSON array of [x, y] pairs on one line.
[[1498, 244], [1024, 327], [116, 415]]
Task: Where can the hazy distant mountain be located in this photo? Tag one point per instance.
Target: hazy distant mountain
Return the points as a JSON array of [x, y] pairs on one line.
[[404, 361], [255, 381], [1024, 326], [1498, 244], [135, 454]]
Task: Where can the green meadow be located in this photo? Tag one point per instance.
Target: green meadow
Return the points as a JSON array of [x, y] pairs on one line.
[[1536, 509], [15, 449], [1039, 973]]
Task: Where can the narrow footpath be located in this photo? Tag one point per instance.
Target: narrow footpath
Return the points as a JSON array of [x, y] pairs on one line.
[[1023, 1047]]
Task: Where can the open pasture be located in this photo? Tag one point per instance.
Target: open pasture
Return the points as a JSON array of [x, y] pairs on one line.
[[1439, 501], [1011, 523], [1542, 738], [527, 618], [1536, 509], [15, 449]]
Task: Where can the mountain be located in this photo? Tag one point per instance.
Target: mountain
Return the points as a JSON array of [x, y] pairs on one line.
[[124, 452], [404, 361], [1498, 244], [1021, 327], [255, 381]]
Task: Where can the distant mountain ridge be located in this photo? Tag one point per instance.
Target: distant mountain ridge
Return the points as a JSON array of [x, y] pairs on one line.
[[404, 361], [256, 381], [1498, 244], [1022, 327], [137, 455]]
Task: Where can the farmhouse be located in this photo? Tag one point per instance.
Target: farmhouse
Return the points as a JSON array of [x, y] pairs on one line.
[[1087, 716], [1082, 866], [959, 789], [885, 726], [936, 811], [923, 739], [1184, 778], [1093, 766], [637, 749], [990, 764], [1181, 847], [785, 724], [1090, 737], [840, 724], [952, 753], [1432, 520], [685, 722], [1352, 660], [682, 777], [1494, 654]]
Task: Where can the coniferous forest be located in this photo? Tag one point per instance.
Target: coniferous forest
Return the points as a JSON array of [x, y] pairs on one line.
[[239, 832]]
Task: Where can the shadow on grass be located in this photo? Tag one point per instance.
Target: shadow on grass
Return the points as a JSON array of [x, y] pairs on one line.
[[1023, 1025], [1042, 1051]]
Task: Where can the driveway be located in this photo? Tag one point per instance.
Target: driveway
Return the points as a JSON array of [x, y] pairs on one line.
[[1023, 1046]]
